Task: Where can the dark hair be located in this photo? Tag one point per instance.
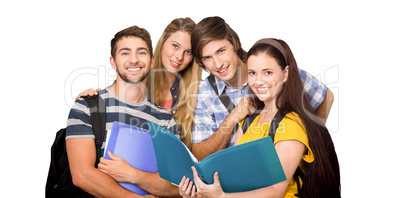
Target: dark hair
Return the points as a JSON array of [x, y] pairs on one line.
[[210, 29], [322, 176], [131, 31]]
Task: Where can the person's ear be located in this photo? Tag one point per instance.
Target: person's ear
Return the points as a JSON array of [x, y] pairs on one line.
[[152, 62], [285, 74], [113, 63]]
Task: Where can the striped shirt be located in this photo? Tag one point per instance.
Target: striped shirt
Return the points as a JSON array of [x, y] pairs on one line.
[[135, 114], [210, 112]]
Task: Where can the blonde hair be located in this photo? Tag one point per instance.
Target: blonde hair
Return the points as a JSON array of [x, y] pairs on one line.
[[188, 86]]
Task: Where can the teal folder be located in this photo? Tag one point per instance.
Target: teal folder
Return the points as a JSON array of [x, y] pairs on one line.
[[244, 167]]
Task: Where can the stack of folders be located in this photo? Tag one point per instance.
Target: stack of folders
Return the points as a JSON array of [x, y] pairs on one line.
[[241, 168]]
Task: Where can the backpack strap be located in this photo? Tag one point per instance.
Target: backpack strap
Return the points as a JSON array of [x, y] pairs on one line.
[[97, 110], [250, 118], [223, 97], [298, 174], [275, 124]]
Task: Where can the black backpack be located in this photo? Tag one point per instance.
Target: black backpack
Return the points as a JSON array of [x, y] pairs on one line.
[[59, 182]]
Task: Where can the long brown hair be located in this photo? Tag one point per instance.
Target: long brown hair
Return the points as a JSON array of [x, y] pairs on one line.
[[322, 176], [188, 86]]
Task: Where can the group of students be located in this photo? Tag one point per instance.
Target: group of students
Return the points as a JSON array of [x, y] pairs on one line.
[[165, 87]]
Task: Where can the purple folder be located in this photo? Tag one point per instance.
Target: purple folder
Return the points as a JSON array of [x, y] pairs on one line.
[[135, 146]]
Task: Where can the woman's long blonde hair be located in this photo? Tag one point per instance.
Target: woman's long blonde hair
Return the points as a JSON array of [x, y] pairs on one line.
[[188, 86]]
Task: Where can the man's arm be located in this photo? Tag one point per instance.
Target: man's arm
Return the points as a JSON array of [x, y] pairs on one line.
[[81, 157], [218, 140], [323, 110], [321, 98], [154, 184], [121, 171]]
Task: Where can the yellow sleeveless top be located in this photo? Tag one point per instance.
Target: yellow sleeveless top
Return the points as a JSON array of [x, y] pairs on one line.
[[290, 128]]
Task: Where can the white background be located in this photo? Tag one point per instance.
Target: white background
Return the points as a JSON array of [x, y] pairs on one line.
[[52, 51]]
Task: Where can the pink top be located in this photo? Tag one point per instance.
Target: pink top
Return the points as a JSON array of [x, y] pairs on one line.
[[167, 104]]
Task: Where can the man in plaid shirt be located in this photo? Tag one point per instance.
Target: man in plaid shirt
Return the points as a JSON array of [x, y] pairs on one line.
[[217, 48]]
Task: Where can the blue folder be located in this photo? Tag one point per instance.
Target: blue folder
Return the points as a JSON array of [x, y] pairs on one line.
[[245, 167], [135, 146]]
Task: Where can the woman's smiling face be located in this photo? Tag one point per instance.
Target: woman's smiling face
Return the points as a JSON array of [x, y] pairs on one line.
[[176, 52], [265, 77]]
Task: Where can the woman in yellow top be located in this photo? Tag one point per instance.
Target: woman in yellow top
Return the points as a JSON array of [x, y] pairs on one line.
[[300, 140]]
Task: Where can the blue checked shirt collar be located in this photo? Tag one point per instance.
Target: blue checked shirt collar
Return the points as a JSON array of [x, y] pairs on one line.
[[222, 86]]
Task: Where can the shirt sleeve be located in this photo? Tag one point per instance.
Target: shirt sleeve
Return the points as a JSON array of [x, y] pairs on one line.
[[315, 89], [292, 128], [79, 124], [241, 124], [204, 121], [172, 127]]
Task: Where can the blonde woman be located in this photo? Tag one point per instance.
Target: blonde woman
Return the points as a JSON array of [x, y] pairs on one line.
[[173, 81]]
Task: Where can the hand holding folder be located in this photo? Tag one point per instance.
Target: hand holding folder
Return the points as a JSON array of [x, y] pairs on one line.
[[245, 167], [134, 145]]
